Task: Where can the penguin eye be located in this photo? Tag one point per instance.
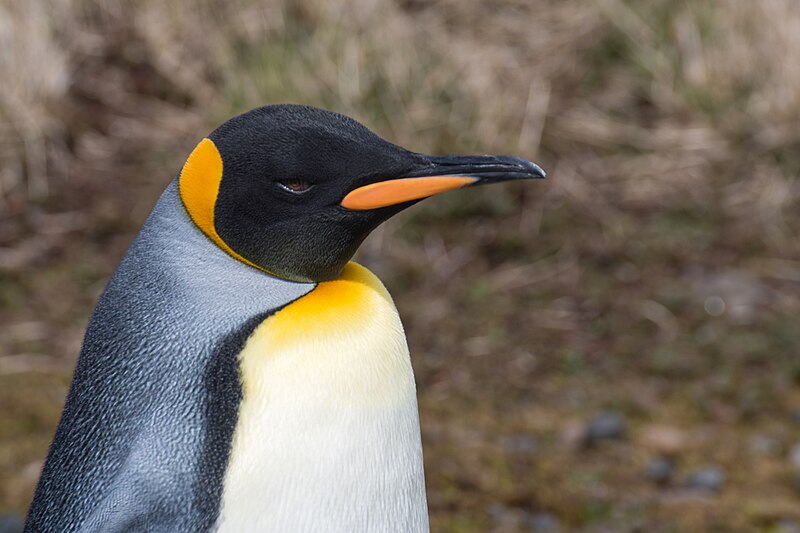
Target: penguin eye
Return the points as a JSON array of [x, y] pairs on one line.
[[295, 185]]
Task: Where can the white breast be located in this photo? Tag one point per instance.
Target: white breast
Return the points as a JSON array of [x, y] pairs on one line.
[[328, 433]]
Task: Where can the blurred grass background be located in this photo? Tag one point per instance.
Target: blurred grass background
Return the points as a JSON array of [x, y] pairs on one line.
[[616, 349]]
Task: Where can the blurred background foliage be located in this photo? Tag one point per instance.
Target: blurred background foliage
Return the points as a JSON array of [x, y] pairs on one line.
[[616, 349]]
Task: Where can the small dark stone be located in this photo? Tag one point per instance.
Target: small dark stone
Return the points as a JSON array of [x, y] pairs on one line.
[[709, 478], [518, 443], [660, 470], [504, 516], [787, 526], [542, 522], [11, 523], [765, 445], [794, 456], [605, 426]]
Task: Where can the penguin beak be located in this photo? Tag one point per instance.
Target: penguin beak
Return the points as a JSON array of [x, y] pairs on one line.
[[442, 174]]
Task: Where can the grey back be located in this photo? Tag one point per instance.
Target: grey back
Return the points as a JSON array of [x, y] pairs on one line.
[[144, 439]]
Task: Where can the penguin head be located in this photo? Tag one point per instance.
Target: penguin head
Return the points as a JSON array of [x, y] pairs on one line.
[[294, 190]]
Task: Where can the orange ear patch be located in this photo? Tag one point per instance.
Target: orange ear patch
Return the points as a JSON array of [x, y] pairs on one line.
[[390, 192], [199, 186]]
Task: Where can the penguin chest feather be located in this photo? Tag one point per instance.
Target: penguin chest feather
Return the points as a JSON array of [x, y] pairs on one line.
[[327, 437]]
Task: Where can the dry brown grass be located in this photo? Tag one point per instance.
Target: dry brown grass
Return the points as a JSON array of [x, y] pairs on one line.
[[670, 133]]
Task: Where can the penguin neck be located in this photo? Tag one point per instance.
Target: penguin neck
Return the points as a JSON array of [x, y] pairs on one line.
[[328, 434]]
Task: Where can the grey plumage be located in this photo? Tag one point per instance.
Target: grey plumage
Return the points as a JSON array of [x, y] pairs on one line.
[[143, 442]]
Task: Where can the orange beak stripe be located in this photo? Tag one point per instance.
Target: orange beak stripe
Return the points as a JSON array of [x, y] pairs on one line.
[[401, 190]]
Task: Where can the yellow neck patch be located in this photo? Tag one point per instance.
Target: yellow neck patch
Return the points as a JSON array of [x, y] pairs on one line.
[[343, 340], [199, 187], [321, 314]]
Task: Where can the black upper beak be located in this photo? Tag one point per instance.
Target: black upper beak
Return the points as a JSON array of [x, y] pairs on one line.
[[437, 174], [486, 168]]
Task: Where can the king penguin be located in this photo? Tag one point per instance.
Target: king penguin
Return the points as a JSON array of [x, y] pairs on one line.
[[239, 374]]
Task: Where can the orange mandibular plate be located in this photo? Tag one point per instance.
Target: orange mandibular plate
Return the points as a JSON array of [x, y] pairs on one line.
[[390, 192]]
